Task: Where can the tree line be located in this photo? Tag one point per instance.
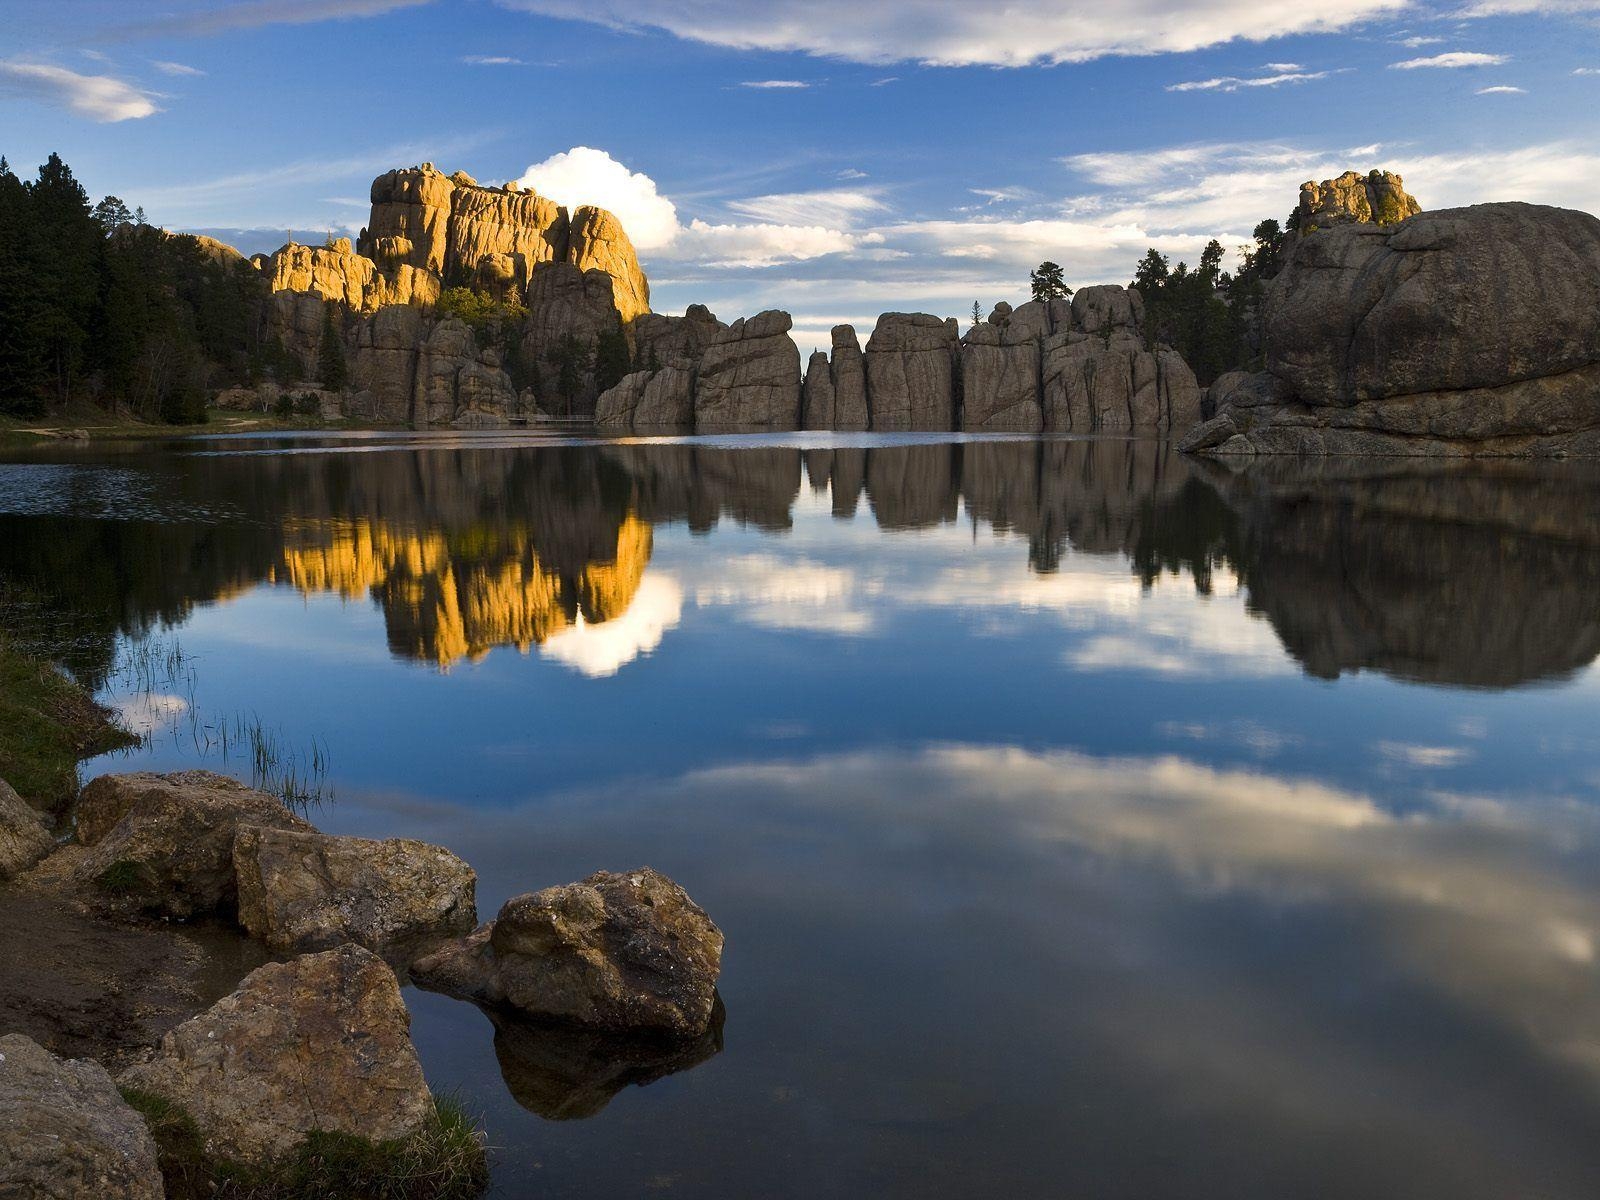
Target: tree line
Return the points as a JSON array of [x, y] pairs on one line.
[[97, 304]]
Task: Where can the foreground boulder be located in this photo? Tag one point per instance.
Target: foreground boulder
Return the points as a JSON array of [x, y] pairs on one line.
[[66, 1133], [320, 1044], [621, 953], [301, 890], [1461, 332], [162, 845], [24, 839]]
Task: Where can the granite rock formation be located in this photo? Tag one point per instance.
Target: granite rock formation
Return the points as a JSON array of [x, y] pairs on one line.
[[1461, 332], [749, 376], [1377, 198], [912, 362], [66, 1133]]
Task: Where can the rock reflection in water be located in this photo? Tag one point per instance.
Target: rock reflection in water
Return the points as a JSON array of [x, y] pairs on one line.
[[1478, 574], [566, 1074]]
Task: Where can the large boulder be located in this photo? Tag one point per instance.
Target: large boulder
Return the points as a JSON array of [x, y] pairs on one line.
[[66, 1133], [498, 235], [410, 222], [749, 376], [614, 408], [24, 837], [1458, 332], [162, 845], [667, 401], [621, 953], [911, 372], [321, 1043], [300, 890]]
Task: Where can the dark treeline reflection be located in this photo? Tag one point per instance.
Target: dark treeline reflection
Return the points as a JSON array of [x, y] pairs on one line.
[[1470, 575]]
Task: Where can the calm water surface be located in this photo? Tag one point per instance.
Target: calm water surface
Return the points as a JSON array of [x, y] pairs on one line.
[[1082, 821]]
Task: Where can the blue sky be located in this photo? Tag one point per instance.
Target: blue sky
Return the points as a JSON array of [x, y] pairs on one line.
[[835, 159]]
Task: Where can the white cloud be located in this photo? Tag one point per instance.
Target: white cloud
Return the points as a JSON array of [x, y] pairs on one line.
[[1416, 42], [851, 173], [492, 60], [1452, 60], [1232, 83], [98, 97], [1502, 91], [584, 175], [754, 245], [958, 33], [600, 650], [1586, 71], [775, 84], [175, 68]]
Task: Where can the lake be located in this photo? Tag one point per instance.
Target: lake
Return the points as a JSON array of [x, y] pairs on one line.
[[1083, 820]]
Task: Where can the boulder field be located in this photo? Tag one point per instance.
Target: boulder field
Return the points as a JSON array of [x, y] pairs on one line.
[[1457, 333]]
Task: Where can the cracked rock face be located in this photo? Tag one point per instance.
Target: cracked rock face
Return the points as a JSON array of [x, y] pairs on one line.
[[319, 1043], [623, 953], [66, 1133], [300, 890]]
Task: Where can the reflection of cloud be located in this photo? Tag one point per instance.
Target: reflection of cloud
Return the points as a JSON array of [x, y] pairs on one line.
[[1457, 892], [1255, 737], [787, 594], [1413, 755], [599, 650], [146, 712]]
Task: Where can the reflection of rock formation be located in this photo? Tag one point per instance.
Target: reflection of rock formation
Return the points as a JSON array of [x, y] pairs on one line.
[[1465, 577], [445, 599], [565, 1074]]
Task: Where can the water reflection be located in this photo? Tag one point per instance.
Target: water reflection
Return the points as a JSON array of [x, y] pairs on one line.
[[1475, 575]]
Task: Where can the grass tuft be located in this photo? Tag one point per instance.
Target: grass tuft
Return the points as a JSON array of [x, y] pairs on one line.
[[445, 1160]]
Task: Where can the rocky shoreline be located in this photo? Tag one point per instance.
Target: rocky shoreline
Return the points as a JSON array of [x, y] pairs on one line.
[[590, 987]]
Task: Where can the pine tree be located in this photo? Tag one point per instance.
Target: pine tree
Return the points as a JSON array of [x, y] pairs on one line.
[[331, 367], [1049, 283]]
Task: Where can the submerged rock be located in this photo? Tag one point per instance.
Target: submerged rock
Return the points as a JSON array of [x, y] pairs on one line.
[[623, 952], [300, 890], [24, 838], [161, 845], [66, 1133], [321, 1043]]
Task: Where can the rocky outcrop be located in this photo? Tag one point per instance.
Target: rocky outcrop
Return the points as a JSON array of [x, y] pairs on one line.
[[569, 311], [1378, 198], [66, 1133], [410, 222], [749, 376], [911, 370], [660, 339], [849, 372], [24, 838], [336, 272], [599, 243], [498, 236], [321, 1043], [300, 891], [160, 845], [620, 953], [1075, 367], [1460, 332], [817, 394]]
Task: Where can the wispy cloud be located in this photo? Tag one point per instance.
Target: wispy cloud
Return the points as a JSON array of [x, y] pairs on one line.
[[837, 207], [776, 85], [1586, 71], [200, 22], [175, 68], [1232, 83], [101, 98], [1503, 90], [492, 60], [1417, 41], [1452, 60]]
